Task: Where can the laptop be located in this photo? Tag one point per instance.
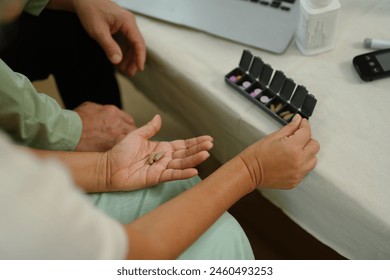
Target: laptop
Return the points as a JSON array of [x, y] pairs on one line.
[[266, 24]]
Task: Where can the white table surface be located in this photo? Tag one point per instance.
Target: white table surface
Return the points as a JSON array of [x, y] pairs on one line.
[[345, 201]]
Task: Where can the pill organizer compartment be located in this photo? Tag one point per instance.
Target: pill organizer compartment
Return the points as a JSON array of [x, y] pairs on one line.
[[255, 90], [273, 84], [268, 95], [236, 76], [245, 82], [287, 112], [241, 71], [276, 104]]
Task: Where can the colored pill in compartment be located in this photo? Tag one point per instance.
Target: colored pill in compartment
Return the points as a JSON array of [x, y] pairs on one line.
[[255, 93], [264, 99], [274, 108], [234, 78], [246, 84], [286, 115]]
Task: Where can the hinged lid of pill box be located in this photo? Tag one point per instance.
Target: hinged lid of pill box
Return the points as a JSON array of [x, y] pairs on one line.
[[246, 60]]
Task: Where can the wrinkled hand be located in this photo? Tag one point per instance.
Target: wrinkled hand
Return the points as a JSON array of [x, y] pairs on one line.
[[103, 126], [104, 18], [127, 163], [282, 159]]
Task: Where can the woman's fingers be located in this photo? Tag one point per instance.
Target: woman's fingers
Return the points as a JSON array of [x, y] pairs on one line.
[[188, 162]]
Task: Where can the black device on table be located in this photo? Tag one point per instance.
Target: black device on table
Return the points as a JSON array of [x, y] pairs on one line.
[[373, 65]]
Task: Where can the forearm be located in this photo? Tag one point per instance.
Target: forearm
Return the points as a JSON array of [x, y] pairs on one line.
[[85, 167], [171, 228], [32, 119]]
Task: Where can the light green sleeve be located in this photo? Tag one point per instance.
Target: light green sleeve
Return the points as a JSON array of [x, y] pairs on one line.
[[33, 119], [35, 7]]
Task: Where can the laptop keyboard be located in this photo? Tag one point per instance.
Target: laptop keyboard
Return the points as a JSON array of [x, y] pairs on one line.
[[284, 5]]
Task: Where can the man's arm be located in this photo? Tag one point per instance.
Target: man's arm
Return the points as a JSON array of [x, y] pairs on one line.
[[33, 119], [36, 120]]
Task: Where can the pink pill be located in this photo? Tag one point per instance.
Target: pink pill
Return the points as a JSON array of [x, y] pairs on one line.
[[264, 99], [256, 92], [246, 84], [233, 79]]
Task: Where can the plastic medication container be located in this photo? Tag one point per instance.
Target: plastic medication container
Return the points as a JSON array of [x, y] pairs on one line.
[[270, 89], [317, 26]]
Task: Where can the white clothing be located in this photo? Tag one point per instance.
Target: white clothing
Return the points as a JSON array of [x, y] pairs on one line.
[[44, 216]]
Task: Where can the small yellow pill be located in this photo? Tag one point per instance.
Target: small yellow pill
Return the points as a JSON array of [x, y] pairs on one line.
[[282, 114], [287, 117], [151, 159], [155, 156], [158, 156], [278, 107]]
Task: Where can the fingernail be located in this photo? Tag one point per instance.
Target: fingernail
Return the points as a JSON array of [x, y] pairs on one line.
[[296, 118], [115, 58]]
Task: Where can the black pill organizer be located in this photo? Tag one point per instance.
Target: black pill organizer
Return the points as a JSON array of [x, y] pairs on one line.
[[270, 89]]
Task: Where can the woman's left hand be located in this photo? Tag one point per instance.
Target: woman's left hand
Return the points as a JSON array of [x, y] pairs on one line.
[[128, 165]]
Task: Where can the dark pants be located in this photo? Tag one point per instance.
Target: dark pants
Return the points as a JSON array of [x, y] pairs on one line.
[[56, 43]]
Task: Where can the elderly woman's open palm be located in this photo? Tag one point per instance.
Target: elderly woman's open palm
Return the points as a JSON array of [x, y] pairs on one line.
[[136, 162]]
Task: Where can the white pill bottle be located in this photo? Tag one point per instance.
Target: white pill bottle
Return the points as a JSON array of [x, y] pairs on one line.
[[317, 26]]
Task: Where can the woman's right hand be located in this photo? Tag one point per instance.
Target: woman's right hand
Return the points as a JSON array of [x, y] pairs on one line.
[[282, 159]]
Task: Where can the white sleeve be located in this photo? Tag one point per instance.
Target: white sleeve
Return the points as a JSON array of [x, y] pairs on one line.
[[44, 216]]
